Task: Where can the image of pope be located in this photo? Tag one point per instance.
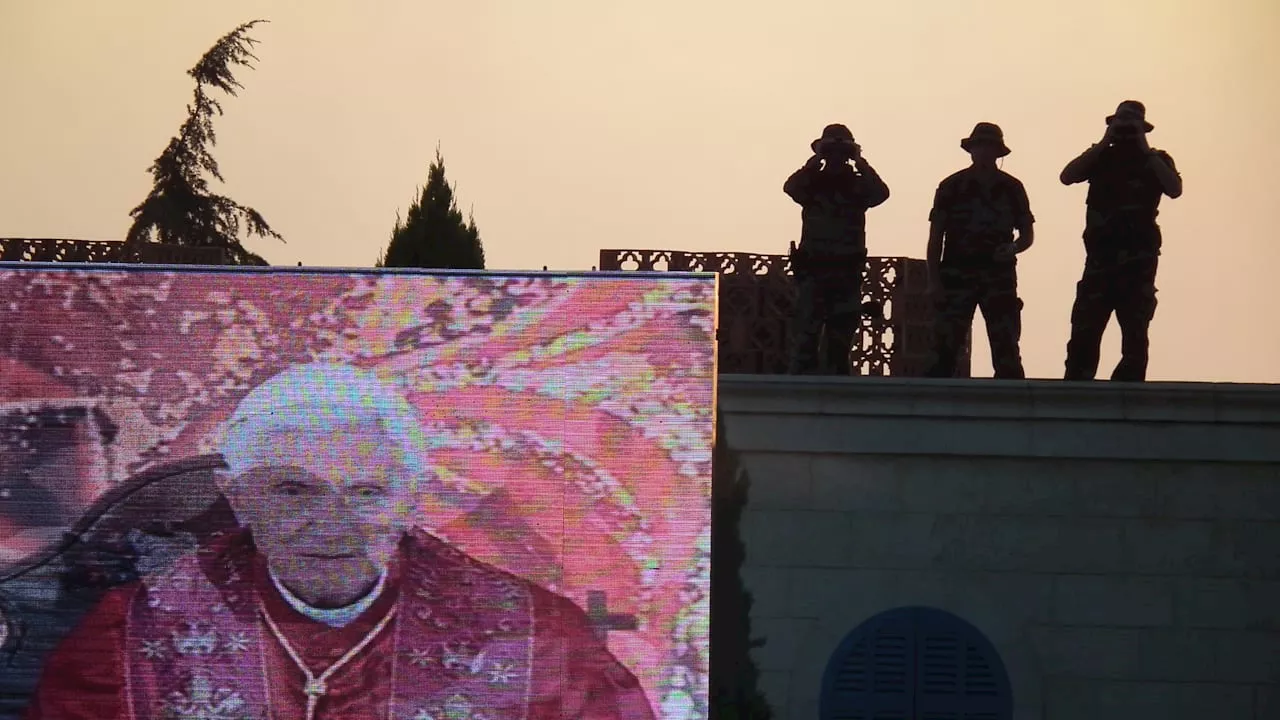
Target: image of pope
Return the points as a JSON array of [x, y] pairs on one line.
[[327, 601]]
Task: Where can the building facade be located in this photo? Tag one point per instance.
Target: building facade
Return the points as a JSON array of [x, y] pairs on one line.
[[1030, 550]]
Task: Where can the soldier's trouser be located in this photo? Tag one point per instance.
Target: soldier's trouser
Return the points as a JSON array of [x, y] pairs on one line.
[[994, 288], [1126, 287], [828, 293]]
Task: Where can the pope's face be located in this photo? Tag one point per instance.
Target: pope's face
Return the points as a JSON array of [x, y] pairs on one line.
[[327, 510]]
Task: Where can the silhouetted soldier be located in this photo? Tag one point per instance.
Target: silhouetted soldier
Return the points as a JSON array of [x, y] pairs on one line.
[[972, 255], [829, 261], [1122, 242]]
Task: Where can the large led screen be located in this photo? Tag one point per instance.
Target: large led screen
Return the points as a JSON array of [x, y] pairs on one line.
[[267, 493]]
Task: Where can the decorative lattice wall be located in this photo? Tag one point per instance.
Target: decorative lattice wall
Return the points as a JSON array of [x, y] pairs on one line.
[[105, 251], [757, 297]]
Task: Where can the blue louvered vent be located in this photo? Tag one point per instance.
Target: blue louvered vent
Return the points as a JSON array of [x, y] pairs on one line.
[[875, 675], [915, 664]]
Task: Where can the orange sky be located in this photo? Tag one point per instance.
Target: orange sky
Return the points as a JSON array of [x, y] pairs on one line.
[[572, 125]]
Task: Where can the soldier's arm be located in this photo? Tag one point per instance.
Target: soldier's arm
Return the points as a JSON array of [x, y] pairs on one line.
[[874, 189], [933, 254], [797, 187], [1025, 222], [1081, 169], [1026, 237], [1167, 173], [937, 223]]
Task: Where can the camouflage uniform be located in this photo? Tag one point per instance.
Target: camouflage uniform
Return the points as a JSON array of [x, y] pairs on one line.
[[828, 264], [978, 217], [1122, 246]]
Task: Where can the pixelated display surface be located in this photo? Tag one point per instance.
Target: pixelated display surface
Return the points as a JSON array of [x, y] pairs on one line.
[[356, 493]]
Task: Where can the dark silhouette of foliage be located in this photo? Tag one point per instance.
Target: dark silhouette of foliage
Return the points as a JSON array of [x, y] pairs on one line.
[[180, 209], [734, 676], [434, 235]]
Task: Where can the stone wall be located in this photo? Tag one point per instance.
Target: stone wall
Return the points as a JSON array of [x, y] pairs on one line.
[[1119, 546]]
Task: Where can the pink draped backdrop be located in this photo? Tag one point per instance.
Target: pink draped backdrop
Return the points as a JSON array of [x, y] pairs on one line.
[[571, 416]]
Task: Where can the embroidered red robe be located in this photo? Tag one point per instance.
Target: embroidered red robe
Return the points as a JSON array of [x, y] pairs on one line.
[[467, 642]]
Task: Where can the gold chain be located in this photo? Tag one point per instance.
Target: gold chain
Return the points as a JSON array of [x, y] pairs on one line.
[[317, 687]]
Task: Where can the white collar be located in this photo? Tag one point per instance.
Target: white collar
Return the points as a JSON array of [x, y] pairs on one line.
[[336, 617]]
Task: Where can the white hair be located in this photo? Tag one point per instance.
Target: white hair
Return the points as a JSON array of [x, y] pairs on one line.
[[316, 398]]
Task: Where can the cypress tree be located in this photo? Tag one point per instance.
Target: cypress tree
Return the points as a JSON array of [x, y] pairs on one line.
[[435, 234]]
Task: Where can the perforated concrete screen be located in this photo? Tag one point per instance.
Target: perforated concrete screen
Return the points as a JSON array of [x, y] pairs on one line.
[[232, 493]]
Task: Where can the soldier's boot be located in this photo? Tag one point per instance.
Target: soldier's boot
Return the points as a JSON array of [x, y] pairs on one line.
[[842, 333], [1003, 317], [802, 355], [1089, 316], [1134, 315]]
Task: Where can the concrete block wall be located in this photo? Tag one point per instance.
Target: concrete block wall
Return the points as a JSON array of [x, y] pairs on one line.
[[1119, 546]]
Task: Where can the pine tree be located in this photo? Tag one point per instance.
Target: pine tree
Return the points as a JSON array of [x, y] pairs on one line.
[[180, 208], [435, 234], [735, 693]]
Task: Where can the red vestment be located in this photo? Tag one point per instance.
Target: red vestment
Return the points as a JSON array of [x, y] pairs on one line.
[[468, 642]]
